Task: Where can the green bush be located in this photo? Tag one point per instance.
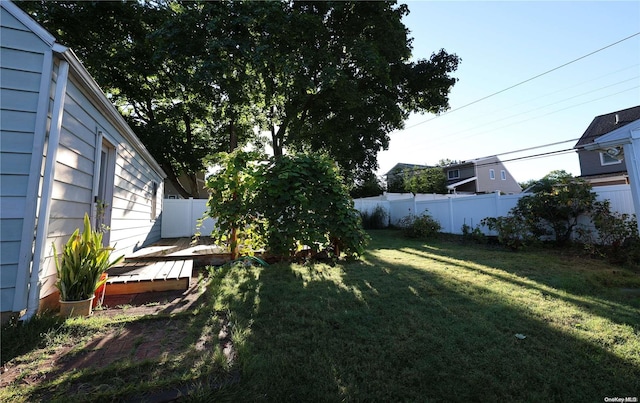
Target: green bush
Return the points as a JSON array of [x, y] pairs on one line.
[[616, 236], [473, 234], [423, 226], [376, 219], [513, 230], [283, 204]]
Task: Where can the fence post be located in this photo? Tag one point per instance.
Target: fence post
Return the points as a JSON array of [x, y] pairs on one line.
[[450, 215]]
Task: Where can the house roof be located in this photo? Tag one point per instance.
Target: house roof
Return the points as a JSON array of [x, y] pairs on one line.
[[401, 166], [604, 124]]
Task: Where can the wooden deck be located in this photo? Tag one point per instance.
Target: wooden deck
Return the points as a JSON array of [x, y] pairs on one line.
[[138, 277], [163, 266]]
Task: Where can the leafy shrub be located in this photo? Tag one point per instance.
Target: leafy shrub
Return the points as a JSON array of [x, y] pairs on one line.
[[422, 226], [513, 231], [376, 219], [304, 201], [616, 236], [557, 202], [232, 202], [282, 204], [476, 235]]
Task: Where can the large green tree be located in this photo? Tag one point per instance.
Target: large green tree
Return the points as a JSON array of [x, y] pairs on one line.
[[195, 78]]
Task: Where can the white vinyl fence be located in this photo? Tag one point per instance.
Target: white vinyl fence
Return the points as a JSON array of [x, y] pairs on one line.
[[453, 211], [180, 217]]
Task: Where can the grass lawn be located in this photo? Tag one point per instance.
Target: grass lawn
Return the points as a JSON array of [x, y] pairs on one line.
[[412, 321]]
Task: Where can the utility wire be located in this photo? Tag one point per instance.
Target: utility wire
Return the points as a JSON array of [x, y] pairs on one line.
[[533, 156], [512, 152], [527, 80]]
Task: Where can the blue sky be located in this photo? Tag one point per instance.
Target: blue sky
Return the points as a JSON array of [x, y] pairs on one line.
[[502, 44]]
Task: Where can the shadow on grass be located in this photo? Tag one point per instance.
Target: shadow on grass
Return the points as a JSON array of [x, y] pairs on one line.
[[146, 358], [592, 300], [389, 328], [380, 331]]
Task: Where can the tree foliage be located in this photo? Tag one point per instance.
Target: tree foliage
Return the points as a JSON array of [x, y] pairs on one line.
[[367, 186], [304, 202], [427, 180], [196, 78], [283, 204], [558, 200]]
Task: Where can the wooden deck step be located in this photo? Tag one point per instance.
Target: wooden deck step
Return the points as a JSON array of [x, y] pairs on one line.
[[138, 277]]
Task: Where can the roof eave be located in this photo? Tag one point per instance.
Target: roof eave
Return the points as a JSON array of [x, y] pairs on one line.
[[617, 137]]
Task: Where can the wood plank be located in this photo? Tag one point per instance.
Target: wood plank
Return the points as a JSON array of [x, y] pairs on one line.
[[175, 269], [146, 286], [138, 277], [186, 271]]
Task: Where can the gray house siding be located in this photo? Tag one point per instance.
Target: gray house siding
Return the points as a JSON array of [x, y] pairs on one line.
[[50, 107], [24, 90], [480, 169], [73, 191], [590, 164]]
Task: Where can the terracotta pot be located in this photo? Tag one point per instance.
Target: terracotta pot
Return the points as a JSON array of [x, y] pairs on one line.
[[69, 309], [100, 292]]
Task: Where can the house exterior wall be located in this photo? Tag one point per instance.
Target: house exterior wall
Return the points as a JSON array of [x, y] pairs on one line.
[[506, 184], [131, 224], [24, 92], [49, 177], [590, 164]]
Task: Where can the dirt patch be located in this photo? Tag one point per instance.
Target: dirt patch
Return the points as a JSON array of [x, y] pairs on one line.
[[146, 339]]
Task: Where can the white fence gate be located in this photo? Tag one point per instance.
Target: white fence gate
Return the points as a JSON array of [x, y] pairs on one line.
[[181, 217]]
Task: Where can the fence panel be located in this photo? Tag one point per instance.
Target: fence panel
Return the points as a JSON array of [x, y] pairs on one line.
[[180, 218], [453, 212], [619, 196]]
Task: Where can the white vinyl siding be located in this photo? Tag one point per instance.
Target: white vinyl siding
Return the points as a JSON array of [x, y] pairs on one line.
[[130, 226]]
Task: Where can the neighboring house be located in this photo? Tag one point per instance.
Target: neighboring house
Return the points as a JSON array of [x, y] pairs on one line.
[[484, 175], [395, 181], [605, 166], [64, 151], [625, 143]]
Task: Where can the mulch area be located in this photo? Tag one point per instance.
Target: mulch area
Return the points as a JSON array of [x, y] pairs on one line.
[[144, 340]]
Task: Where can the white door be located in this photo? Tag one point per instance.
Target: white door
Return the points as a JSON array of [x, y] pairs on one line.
[[104, 193]]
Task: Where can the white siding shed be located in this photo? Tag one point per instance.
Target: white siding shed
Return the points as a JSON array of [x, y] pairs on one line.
[[64, 151]]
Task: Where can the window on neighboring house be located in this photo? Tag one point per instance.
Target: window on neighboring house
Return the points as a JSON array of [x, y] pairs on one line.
[[503, 175], [492, 174], [453, 173], [606, 159]]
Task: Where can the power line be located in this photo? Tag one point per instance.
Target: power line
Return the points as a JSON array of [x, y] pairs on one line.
[[449, 136], [527, 80], [540, 155]]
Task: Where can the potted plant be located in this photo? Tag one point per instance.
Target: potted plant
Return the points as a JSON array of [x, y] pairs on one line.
[[79, 267]]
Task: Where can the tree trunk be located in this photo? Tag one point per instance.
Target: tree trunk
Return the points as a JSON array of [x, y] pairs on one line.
[[233, 144], [173, 178]]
